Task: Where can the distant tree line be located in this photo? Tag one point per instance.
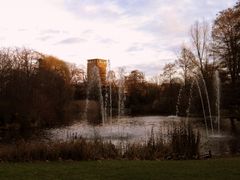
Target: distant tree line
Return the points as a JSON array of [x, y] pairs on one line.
[[34, 88]]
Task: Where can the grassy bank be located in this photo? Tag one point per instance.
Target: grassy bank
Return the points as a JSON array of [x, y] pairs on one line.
[[228, 168]]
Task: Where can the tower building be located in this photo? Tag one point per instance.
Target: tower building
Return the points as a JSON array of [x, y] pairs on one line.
[[101, 64]]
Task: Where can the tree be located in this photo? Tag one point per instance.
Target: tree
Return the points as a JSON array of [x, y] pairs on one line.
[[34, 88], [156, 79], [226, 37], [54, 89], [135, 77], [5, 69], [17, 84], [186, 62], [77, 74], [136, 90], [226, 46], [53, 64], [200, 37], [169, 71]]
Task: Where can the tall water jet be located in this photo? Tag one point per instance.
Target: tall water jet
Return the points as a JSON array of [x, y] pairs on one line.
[[86, 103], [121, 99], [97, 75], [179, 100], [189, 100], [106, 104], [121, 94], [217, 89], [208, 102], [94, 92], [95, 87], [110, 100], [110, 78], [202, 102]]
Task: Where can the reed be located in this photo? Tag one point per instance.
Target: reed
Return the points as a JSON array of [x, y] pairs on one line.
[[183, 144]]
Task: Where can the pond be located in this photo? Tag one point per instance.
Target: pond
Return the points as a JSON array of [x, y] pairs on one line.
[[138, 129]]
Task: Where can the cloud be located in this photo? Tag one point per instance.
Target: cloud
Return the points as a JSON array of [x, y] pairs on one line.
[[45, 38], [107, 41], [135, 48], [50, 31], [135, 7], [87, 31], [72, 40], [22, 29], [93, 9]]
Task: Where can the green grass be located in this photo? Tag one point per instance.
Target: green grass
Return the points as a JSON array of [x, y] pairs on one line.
[[228, 168]]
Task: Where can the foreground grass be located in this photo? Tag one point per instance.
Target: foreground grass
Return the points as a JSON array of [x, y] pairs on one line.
[[228, 168]]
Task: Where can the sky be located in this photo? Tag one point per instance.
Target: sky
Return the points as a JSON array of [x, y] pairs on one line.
[[138, 34]]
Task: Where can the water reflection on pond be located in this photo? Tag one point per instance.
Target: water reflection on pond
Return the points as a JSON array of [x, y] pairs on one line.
[[129, 128]]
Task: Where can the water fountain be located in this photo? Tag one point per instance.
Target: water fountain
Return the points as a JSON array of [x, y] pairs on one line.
[[120, 101], [217, 88], [196, 82], [101, 86], [208, 102], [217, 101], [179, 100], [94, 92], [189, 100], [110, 79], [202, 102], [121, 93]]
